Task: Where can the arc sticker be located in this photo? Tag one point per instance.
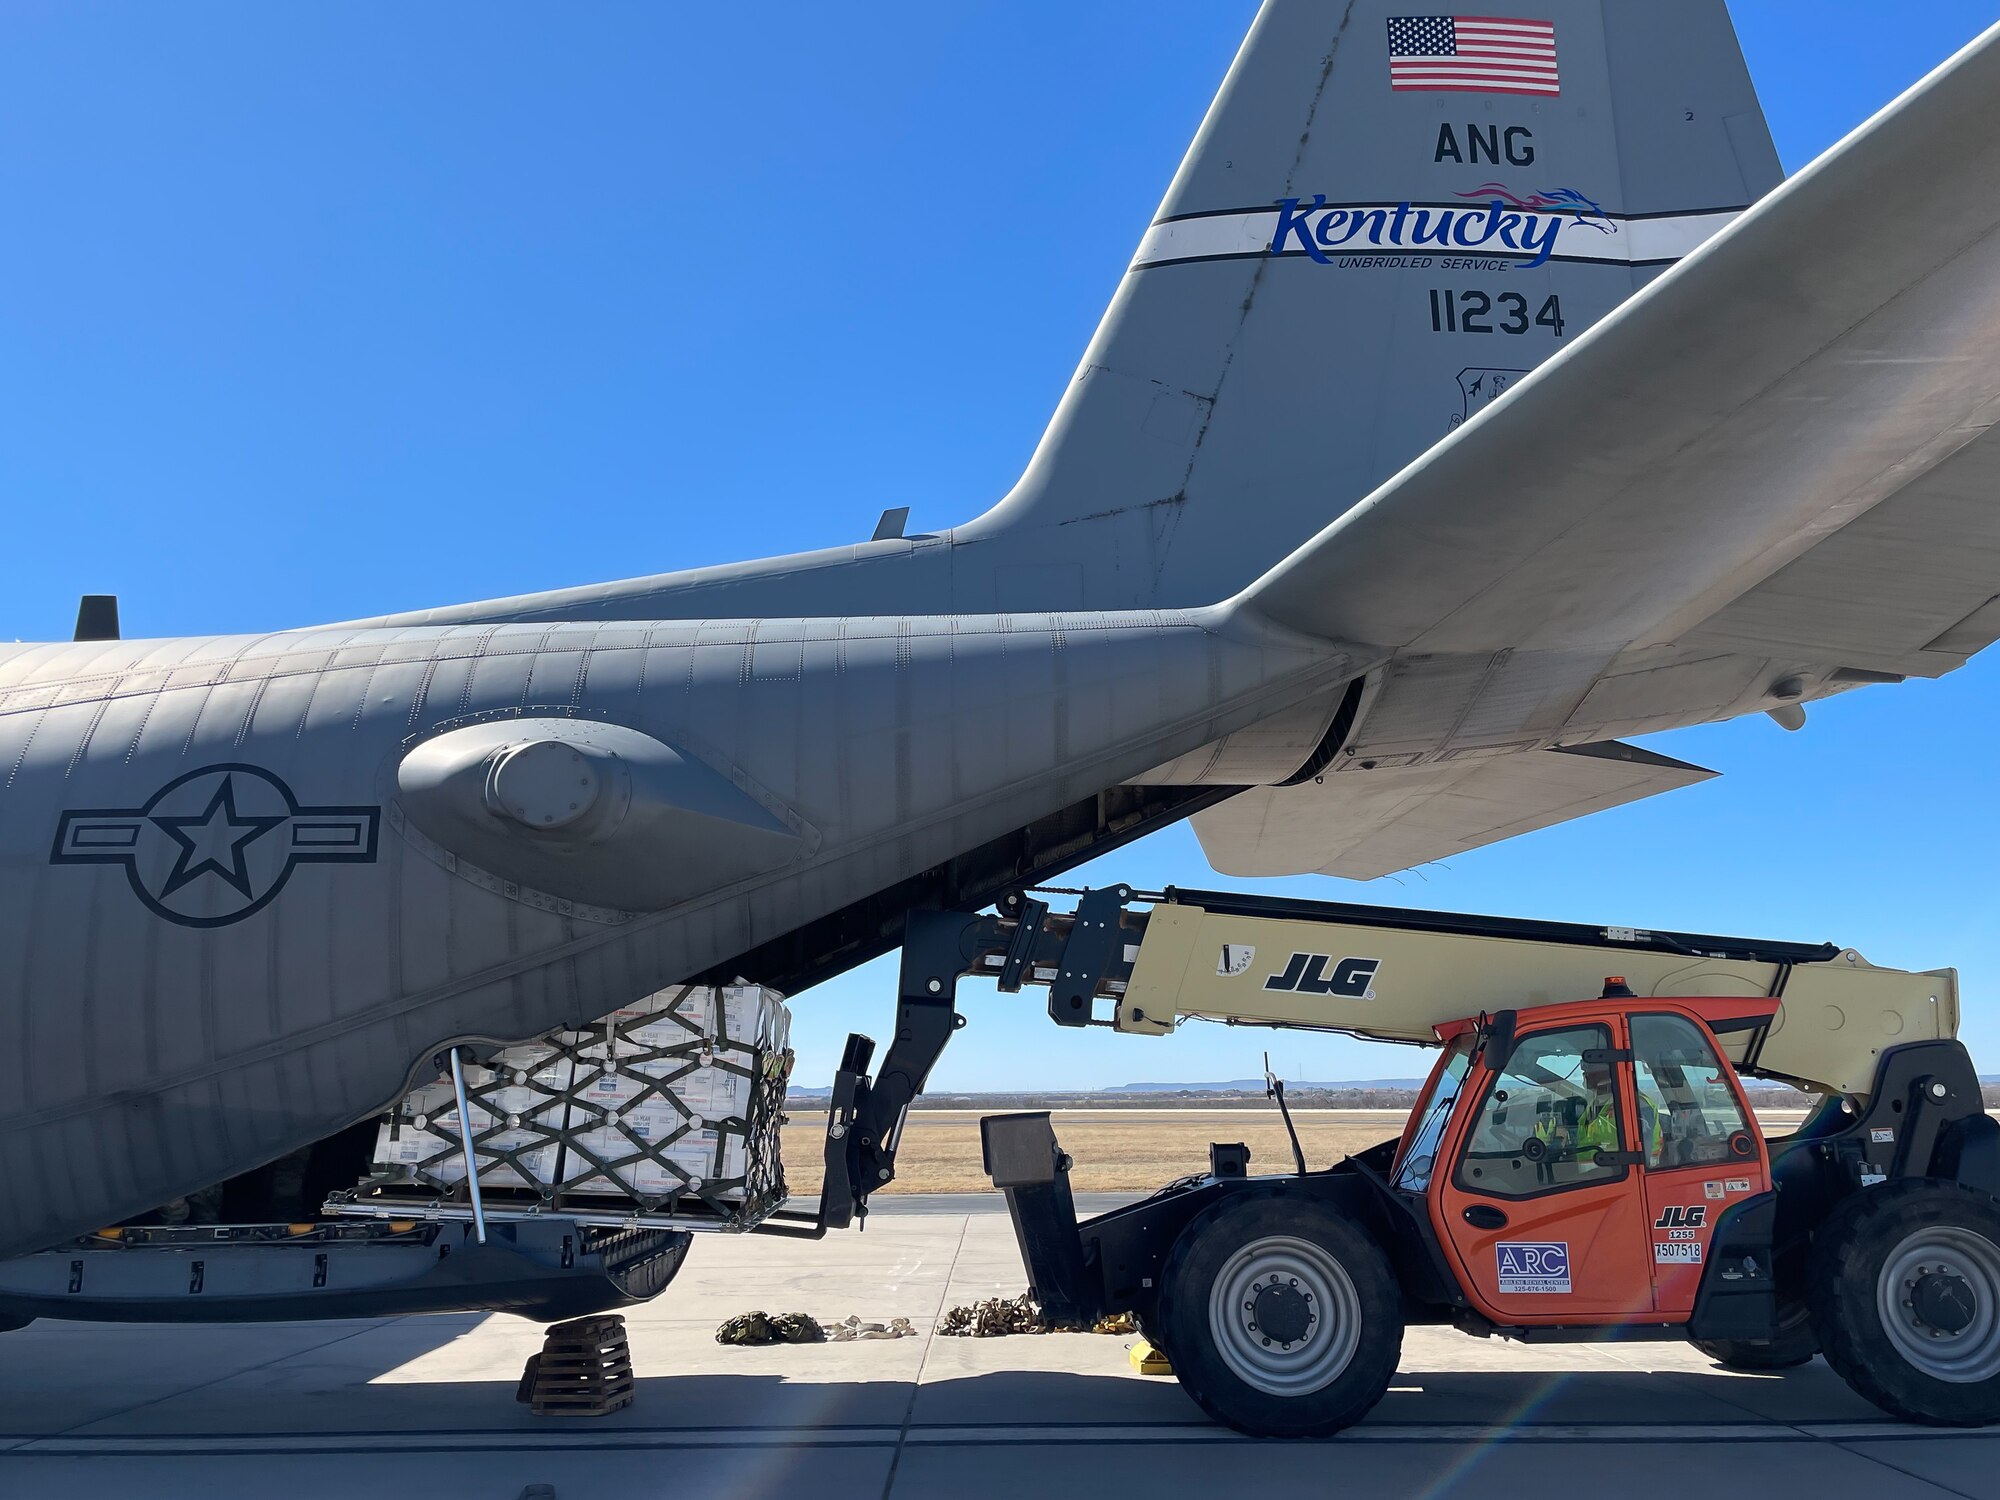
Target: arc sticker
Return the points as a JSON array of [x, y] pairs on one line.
[[1532, 1267]]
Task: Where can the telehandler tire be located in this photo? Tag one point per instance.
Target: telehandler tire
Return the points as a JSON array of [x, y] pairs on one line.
[[1905, 1295], [1795, 1344], [1282, 1319]]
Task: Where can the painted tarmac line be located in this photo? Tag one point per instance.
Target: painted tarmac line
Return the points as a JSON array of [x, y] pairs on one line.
[[953, 1436]]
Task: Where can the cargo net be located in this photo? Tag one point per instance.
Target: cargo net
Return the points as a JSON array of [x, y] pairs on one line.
[[668, 1111]]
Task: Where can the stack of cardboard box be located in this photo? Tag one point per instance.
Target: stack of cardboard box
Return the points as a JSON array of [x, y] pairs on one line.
[[674, 1096]]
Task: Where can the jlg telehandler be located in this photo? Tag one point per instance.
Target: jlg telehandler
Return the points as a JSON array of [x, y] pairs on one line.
[[1582, 1164]]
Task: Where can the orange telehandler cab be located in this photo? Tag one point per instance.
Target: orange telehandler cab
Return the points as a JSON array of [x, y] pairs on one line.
[[1581, 1180], [1574, 1168]]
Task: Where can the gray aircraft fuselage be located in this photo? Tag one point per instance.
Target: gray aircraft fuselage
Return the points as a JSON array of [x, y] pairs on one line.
[[248, 885]]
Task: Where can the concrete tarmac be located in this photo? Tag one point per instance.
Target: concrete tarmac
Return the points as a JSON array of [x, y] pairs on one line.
[[426, 1406]]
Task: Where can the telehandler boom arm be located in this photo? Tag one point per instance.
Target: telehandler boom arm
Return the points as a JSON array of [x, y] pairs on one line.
[[1397, 975]]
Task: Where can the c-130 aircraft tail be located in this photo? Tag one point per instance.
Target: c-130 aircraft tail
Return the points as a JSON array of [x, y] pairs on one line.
[[1384, 221]]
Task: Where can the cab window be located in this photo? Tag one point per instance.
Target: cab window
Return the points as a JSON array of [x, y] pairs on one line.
[[1546, 1117], [1433, 1114], [1687, 1110]]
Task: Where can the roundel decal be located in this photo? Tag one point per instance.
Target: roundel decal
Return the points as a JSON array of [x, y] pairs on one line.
[[215, 845]]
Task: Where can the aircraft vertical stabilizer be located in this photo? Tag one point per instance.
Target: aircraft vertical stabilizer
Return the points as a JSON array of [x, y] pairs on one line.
[[1383, 222]]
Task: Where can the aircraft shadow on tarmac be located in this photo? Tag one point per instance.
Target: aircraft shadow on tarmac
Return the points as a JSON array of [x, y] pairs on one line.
[[963, 1407], [328, 1398]]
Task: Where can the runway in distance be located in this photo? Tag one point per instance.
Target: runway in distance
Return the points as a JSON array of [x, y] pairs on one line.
[[1478, 395]]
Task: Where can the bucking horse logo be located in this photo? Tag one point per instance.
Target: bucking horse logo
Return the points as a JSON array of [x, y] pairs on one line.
[[1580, 209]]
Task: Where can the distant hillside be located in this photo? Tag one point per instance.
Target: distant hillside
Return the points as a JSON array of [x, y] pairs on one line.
[[1256, 1086], [1131, 1093], [1248, 1093]]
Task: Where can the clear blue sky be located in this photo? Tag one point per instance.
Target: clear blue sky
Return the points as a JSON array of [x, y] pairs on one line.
[[312, 311]]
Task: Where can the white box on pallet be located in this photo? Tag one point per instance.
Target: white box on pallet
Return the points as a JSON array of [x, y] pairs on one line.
[[424, 1132], [696, 1156], [734, 1022], [758, 1016]]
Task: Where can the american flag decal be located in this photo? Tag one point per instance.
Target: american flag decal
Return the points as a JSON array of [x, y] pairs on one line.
[[1473, 55]]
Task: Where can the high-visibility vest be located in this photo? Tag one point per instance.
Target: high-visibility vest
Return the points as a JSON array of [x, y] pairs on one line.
[[1597, 1129]]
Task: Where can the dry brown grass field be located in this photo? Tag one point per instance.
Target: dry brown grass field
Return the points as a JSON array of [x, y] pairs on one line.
[[1115, 1150]]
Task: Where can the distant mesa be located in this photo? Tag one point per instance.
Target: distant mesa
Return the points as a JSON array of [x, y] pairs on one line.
[[1124, 1093], [1126, 1090], [1256, 1086]]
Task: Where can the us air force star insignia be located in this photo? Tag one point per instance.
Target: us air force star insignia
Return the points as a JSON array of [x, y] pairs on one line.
[[215, 845], [217, 832]]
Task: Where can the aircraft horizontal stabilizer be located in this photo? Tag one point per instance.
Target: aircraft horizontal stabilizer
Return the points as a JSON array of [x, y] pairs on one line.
[[1363, 824], [1781, 449]]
